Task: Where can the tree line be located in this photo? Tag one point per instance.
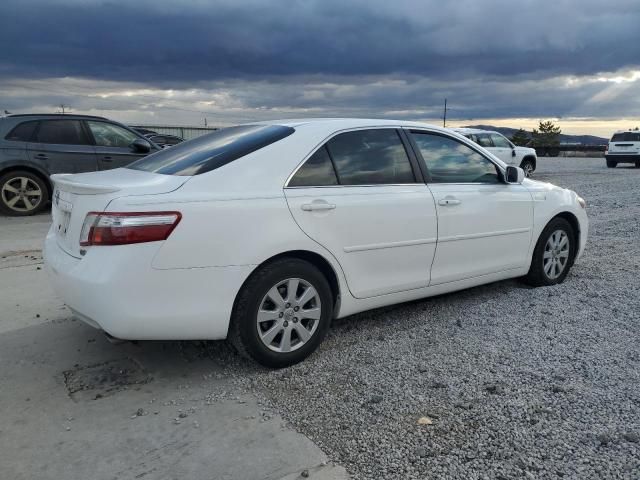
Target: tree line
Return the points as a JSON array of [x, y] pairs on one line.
[[547, 134]]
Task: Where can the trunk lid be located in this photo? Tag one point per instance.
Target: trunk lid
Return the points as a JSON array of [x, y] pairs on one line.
[[75, 195]]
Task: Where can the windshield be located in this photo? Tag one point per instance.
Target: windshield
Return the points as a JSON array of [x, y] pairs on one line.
[[212, 151]]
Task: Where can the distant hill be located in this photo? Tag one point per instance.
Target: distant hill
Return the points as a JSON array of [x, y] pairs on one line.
[[581, 139]]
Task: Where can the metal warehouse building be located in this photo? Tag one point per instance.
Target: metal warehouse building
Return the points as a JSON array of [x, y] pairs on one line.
[[186, 132]]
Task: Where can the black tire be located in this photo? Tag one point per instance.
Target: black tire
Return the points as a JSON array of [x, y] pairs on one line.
[[612, 164], [537, 276], [527, 166], [21, 208], [243, 331]]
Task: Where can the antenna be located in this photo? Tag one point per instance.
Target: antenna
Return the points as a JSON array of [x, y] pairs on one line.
[[63, 108], [444, 116]]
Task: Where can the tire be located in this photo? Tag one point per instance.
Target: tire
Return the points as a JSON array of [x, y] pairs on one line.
[[260, 293], [540, 274], [15, 187], [612, 164], [527, 166]]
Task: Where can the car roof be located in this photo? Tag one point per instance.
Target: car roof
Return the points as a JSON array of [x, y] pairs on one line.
[[336, 124], [472, 130], [54, 115]]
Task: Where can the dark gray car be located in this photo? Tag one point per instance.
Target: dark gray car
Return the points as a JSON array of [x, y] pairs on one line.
[[32, 147]]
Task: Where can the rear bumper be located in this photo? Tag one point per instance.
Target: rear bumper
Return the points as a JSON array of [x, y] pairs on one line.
[[116, 289], [623, 158]]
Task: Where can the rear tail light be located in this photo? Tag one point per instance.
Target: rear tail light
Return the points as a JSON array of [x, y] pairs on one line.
[[111, 228]]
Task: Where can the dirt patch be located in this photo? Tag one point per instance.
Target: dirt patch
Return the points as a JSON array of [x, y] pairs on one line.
[[92, 382]]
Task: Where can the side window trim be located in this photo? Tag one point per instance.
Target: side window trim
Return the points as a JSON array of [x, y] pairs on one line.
[[469, 144], [88, 133], [422, 165], [405, 139], [333, 164]]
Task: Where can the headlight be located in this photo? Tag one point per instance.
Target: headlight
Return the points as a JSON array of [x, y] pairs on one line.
[[581, 202]]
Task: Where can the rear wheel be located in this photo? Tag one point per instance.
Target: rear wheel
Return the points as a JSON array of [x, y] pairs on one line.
[[282, 313], [612, 164], [22, 193], [553, 255]]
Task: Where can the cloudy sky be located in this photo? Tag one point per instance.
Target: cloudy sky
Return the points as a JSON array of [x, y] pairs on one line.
[[505, 62]]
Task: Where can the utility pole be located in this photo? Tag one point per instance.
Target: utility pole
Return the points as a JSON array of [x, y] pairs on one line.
[[444, 117], [63, 108]]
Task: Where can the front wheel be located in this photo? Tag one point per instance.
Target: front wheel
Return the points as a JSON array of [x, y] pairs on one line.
[[282, 313], [527, 166], [612, 164], [553, 255]]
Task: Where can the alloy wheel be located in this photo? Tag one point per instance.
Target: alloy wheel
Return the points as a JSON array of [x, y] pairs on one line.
[[288, 315], [556, 254], [21, 194]]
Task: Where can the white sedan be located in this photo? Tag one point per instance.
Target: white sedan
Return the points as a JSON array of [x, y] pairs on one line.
[[264, 233]]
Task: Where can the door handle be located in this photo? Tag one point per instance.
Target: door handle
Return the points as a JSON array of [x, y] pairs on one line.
[[449, 201], [312, 207], [106, 159], [42, 155]]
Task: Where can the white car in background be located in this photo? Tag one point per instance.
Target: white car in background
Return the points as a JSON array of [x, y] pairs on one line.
[[496, 143], [624, 147], [264, 233]]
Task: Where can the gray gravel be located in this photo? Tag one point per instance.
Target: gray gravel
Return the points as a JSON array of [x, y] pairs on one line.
[[514, 382]]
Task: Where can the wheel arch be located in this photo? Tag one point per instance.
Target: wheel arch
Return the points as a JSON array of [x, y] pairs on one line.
[[35, 171], [316, 260], [530, 158], [575, 225]]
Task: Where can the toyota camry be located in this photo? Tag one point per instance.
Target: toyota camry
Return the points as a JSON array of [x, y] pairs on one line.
[[264, 233]]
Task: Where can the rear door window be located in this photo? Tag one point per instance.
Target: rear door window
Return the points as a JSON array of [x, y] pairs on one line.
[[370, 157], [22, 132], [318, 171], [62, 132], [484, 140], [213, 150]]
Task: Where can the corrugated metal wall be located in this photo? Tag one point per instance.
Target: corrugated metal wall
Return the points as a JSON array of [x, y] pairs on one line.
[[185, 132]]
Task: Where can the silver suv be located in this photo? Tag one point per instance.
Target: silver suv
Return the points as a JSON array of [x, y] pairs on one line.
[[34, 146]]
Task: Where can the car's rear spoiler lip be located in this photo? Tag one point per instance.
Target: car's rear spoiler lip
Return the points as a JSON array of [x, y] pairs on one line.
[[64, 182]]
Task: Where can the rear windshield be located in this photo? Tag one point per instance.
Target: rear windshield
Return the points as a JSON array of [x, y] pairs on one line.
[[626, 137], [212, 151]]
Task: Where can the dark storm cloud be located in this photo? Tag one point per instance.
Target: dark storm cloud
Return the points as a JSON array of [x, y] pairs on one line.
[[178, 43]]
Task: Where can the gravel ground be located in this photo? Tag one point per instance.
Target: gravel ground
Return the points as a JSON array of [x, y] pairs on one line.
[[499, 381]]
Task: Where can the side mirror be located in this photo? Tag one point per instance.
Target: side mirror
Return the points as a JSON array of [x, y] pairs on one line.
[[141, 146], [514, 175], [513, 152]]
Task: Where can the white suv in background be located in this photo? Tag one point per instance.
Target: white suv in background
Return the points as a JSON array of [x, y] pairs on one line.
[[624, 147], [502, 148]]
